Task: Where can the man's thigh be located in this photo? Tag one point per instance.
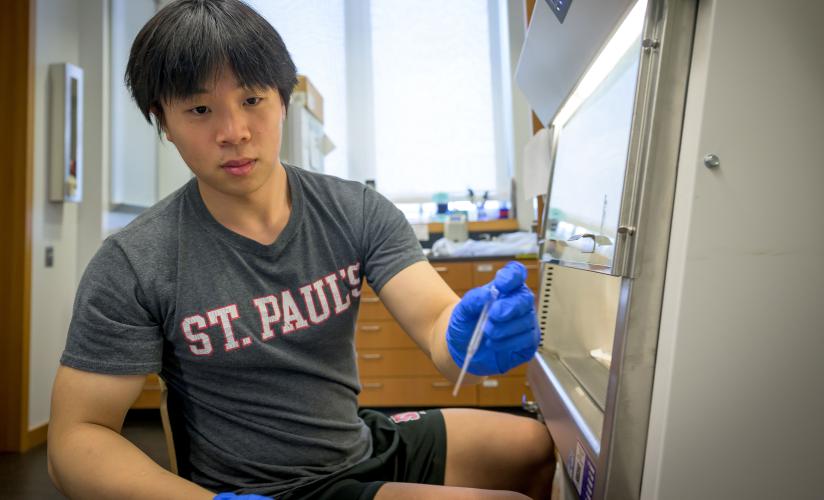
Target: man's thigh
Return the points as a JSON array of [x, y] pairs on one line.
[[498, 451], [409, 491]]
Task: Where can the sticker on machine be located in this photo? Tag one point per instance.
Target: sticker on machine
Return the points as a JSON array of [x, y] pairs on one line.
[[583, 473]]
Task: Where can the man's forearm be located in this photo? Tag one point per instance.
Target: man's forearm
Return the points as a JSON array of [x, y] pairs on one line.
[[93, 461], [440, 352]]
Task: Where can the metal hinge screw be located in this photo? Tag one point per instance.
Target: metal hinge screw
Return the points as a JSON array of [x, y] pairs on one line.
[[531, 407], [712, 161]]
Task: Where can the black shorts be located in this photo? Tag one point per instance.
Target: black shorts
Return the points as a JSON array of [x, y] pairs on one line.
[[408, 447]]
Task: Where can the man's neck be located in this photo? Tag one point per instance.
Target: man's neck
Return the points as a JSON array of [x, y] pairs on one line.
[[260, 215]]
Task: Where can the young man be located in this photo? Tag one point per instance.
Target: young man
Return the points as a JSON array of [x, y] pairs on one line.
[[242, 289]]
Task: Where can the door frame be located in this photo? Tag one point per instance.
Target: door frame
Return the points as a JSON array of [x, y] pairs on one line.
[[17, 35]]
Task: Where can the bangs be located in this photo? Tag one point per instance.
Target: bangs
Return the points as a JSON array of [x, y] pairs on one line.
[[189, 43]]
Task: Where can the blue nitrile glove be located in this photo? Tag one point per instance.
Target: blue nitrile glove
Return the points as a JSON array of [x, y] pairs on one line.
[[511, 334], [232, 496]]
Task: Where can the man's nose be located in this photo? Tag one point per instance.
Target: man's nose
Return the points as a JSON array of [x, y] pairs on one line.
[[233, 128]]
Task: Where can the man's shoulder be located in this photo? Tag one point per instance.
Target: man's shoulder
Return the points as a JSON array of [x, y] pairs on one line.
[[155, 229], [317, 183]]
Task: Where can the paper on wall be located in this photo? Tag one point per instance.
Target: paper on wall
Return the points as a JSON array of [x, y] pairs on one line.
[[536, 164]]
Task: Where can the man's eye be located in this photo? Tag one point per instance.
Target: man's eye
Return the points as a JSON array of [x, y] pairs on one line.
[[253, 100], [199, 110]]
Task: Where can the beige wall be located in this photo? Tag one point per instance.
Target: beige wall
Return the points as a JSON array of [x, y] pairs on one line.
[[66, 31], [737, 407], [53, 224], [521, 112]]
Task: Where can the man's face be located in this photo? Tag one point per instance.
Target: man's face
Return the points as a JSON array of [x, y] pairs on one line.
[[228, 135]]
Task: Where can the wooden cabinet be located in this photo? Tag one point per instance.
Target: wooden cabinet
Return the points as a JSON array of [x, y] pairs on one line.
[[458, 275], [377, 334], [150, 397], [484, 271], [413, 391]]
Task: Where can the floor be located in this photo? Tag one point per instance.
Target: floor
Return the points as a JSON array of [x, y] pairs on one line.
[[24, 476]]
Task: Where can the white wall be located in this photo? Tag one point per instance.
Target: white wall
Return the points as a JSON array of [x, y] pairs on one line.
[[93, 54], [73, 31], [53, 224], [134, 142], [521, 112], [737, 407]]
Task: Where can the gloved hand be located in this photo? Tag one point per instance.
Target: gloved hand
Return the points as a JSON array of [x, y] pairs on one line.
[[511, 334], [231, 496]]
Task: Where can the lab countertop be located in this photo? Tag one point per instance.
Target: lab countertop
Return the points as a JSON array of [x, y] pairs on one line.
[[474, 258]]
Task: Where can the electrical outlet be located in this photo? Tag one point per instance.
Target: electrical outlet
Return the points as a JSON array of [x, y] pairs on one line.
[[49, 256]]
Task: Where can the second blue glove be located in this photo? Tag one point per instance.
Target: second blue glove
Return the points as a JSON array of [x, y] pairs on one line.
[[231, 496], [511, 335]]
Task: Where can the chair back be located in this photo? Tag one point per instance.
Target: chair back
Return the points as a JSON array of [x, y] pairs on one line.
[[174, 430]]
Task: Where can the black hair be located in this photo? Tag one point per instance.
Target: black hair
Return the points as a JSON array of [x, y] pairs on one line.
[[188, 42]]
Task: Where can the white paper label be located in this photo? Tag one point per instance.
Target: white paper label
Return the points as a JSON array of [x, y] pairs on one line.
[[421, 231]]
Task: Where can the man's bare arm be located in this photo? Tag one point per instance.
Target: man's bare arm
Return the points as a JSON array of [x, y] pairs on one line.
[[88, 458], [422, 303]]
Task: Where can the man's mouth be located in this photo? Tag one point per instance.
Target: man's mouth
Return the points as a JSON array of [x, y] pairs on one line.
[[239, 167]]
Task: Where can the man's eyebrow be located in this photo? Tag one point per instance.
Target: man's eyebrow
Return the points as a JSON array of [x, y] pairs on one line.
[[196, 92]]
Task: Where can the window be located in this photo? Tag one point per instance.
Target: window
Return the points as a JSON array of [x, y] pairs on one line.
[[434, 103], [415, 93], [314, 34]]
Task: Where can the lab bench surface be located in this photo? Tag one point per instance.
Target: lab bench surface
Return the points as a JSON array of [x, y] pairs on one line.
[[395, 372]]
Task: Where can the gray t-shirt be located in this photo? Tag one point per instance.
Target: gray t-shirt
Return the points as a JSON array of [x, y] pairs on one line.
[[257, 340]]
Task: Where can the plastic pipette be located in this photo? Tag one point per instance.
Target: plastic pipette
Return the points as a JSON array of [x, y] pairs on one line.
[[475, 340]]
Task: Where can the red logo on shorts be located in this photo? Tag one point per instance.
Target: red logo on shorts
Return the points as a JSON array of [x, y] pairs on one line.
[[406, 416]]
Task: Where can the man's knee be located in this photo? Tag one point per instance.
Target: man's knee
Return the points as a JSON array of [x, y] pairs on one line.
[[514, 495]]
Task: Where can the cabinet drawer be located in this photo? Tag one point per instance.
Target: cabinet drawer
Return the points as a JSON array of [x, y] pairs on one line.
[[422, 391], [518, 371], [395, 362], [503, 391], [371, 308], [458, 275], [381, 334], [483, 272]]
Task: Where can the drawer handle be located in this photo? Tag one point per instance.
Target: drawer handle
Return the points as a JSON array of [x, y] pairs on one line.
[[442, 269], [370, 328], [484, 268], [439, 385], [370, 300], [372, 356], [372, 385]]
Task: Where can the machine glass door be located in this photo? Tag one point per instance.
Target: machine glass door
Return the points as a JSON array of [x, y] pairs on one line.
[[590, 166], [577, 314]]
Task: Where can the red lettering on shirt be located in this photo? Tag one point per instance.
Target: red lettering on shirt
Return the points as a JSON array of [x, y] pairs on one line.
[[267, 320], [199, 343], [353, 277], [315, 317], [224, 317], [332, 283], [293, 320], [278, 307]]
